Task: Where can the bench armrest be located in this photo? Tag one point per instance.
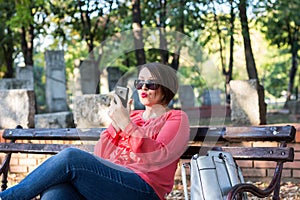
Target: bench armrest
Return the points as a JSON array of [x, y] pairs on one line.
[[246, 187]]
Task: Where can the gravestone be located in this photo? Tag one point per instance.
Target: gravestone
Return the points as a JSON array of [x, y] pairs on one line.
[[26, 75], [186, 96], [211, 97], [17, 107], [247, 103], [114, 76], [89, 76], [56, 96], [294, 107], [54, 120], [23, 80], [90, 110]]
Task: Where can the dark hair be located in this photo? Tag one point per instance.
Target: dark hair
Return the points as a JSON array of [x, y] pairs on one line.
[[166, 77]]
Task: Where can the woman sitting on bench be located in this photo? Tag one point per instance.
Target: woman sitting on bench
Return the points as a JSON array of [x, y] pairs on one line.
[[135, 158]]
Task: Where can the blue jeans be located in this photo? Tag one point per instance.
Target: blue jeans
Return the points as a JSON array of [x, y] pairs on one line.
[[76, 174]]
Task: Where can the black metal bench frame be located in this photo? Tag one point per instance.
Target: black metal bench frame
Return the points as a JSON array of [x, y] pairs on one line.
[[225, 135]]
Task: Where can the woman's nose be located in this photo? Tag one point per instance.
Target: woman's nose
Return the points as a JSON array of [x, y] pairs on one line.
[[144, 87]]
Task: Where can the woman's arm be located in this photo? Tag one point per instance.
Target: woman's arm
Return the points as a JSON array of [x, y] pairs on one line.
[[159, 142], [107, 142]]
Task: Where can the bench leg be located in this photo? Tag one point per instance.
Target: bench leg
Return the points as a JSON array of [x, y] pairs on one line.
[[279, 173], [4, 171], [277, 188]]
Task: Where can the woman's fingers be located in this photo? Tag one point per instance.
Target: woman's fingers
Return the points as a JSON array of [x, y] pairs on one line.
[[129, 103]]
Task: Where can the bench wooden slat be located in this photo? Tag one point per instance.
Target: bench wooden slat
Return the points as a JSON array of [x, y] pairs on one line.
[[248, 153], [239, 153], [261, 133], [231, 134], [40, 148], [53, 134], [246, 133]]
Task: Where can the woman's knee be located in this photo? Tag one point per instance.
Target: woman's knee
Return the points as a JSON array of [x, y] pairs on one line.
[[70, 153]]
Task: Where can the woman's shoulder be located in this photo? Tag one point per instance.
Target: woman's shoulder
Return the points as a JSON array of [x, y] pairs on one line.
[[177, 113]]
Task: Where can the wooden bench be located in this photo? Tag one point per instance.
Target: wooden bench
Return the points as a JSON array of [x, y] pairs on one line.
[[226, 138]]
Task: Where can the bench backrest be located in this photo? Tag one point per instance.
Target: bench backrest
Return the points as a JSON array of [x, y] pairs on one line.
[[209, 136]]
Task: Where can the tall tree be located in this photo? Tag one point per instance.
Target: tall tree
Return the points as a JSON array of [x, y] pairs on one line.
[[228, 72], [29, 21], [250, 62], [161, 24], [219, 26], [180, 29], [281, 22], [7, 38], [90, 19], [218, 19], [138, 32]]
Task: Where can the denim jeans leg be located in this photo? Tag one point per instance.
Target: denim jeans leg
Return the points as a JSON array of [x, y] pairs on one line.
[[93, 177], [64, 191]]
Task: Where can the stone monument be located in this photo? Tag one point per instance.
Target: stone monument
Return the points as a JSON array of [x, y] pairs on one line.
[[23, 80], [89, 76], [186, 96], [91, 110], [247, 103], [17, 107], [56, 96]]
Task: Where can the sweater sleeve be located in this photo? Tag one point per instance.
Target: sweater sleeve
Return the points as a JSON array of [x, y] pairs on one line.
[[107, 143], [162, 144]]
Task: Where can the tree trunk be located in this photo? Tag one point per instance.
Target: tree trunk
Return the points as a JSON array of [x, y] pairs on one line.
[[292, 73], [250, 63], [27, 44], [180, 29], [8, 50], [87, 27], [228, 73], [164, 54], [9, 65], [138, 33], [221, 48], [104, 36], [293, 41]]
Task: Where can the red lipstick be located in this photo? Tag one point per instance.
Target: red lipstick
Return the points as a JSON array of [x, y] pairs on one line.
[[144, 94]]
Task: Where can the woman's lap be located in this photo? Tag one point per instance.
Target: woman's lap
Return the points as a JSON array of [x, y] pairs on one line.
[[90, 176]]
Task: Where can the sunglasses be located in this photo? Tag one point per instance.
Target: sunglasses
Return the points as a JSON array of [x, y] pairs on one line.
[[150, 84]]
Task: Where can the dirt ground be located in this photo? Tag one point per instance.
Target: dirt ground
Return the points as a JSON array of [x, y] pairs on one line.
[[288, 191]]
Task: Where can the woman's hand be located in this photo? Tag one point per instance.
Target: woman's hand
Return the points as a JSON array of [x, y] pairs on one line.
[[120, 116]]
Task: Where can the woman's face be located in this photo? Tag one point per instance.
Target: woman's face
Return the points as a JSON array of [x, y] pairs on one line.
[[147, 96]]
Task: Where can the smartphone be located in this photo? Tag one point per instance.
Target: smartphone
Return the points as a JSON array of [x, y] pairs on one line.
[[122, 93]]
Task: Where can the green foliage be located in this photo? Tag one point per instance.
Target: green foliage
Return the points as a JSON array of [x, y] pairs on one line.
[[276, 78], [278, 20], [8, 39], [25, 13], [281, 25], [192, 76], [62, 20]]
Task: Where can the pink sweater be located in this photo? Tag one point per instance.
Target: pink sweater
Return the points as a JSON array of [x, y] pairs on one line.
[[150, 148]]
